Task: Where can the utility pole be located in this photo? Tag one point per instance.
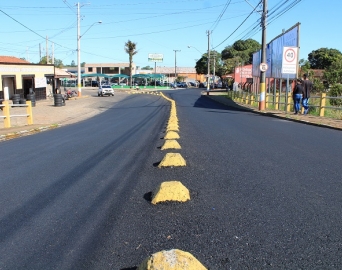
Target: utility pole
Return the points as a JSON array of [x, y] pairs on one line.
[[214, 63], [40, 53], [47, 53], [263, 58], [78, 51], [208, 79], [176, 63], [53, 53]]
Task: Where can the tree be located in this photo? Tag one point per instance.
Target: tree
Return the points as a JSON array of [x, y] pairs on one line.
[[57, 62], [131, 49], [323, 58], [333, 74], [147, 68], [241, 51]]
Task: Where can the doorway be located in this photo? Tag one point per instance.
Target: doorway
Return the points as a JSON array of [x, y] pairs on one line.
[[28, 85], [8, 81]]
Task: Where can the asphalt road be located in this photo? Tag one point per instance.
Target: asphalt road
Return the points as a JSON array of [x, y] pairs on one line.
[[266, 193]]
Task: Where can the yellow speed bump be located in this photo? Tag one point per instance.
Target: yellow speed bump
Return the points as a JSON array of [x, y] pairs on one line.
[[172, 128], [170, 191], [171, 144], [173, 259], [172, 122], [171, 135], [172, 160]]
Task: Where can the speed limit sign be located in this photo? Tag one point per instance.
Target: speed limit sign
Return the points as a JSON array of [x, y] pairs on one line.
[[289, 55], [263, 67], [289, 63]]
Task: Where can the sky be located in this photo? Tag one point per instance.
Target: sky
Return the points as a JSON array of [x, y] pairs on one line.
[[165, 27]]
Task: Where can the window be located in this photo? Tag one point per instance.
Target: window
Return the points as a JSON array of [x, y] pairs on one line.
[[90, 69]]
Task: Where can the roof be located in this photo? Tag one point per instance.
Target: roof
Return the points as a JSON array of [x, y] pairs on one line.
[[60, 73], [169, 70], [12, 59]]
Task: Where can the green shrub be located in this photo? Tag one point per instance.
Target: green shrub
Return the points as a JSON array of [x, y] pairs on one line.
[[336, 91]]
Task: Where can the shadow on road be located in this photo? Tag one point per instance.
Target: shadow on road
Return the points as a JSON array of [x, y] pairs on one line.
[[219, 103]]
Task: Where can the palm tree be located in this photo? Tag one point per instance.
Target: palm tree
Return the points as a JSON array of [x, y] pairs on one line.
[[131, 49]]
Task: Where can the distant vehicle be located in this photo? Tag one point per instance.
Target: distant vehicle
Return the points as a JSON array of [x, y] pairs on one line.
[[202, 85], [193, 84], [105, 90], [173, 85], [123, 83], [182, 84]]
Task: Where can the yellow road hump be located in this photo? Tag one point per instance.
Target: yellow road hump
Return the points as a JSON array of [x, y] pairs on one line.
[[170, 191], [170, 144], [172, 160], [173, 259], [171, 135]]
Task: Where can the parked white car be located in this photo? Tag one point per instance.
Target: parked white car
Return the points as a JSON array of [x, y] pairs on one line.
[[105, 90]]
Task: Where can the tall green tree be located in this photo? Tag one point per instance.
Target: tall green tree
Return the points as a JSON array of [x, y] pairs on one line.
[[131, 50], [57, 62], [323, 58], [241, 51]]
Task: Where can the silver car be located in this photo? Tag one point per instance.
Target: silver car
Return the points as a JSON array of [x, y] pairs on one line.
[[105, 90]]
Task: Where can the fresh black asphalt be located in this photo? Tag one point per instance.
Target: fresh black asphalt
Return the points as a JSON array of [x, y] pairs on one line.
[[266, 193]]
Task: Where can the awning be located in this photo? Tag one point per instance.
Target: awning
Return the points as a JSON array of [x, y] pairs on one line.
[[119, 76], [60, 73], [95, 75], [152, 76]]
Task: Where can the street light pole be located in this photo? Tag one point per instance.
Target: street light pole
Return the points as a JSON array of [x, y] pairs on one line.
[[208, 79], [79, 89], [176, 63], [78, 52], [189, 46]]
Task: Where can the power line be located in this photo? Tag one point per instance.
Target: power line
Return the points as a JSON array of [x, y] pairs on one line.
[[220, 16], [238, 26]]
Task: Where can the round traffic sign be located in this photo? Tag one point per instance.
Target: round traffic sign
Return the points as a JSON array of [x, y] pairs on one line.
[[263, 67], [289, 55]]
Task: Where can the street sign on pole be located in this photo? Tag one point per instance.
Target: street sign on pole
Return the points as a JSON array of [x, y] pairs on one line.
[[290, 59], [263, 67]]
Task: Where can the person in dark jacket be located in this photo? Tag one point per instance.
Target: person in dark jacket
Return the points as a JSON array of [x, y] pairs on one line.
[[297, 95], [307, 87]]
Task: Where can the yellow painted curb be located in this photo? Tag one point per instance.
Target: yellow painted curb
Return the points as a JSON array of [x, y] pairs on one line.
[[173, 259], [172, 160], [171, 135], [170, 191], [171, 144]]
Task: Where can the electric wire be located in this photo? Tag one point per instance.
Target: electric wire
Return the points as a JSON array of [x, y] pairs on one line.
[[237, 27], [220, 16]]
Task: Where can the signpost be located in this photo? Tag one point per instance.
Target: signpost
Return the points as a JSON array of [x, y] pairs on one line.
[[155, 57], [263, 67], [289, 66]]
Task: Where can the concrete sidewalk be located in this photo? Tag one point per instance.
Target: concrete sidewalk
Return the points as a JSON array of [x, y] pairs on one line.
[[305, 119], [47, 116]]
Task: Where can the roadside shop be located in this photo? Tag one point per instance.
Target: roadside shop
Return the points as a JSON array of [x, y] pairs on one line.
[[20, 77]]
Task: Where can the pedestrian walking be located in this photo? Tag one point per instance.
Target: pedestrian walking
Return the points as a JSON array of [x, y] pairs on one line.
[[307, 87], [297, 95]]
